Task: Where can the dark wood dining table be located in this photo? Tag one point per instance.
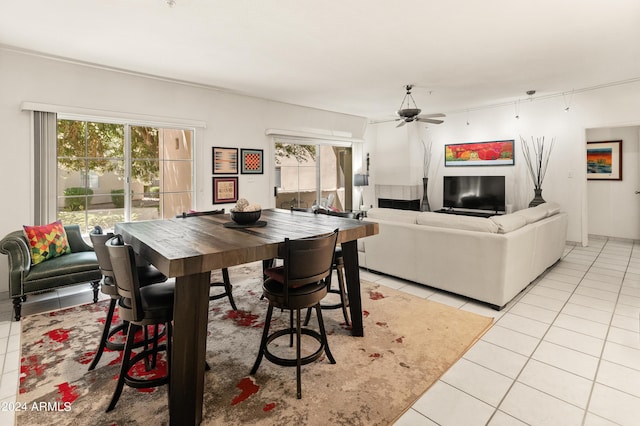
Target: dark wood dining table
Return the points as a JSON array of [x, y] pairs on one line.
[[190, 248]]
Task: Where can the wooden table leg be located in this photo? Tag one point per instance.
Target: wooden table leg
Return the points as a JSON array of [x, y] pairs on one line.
[[352, 275], [190, 316]]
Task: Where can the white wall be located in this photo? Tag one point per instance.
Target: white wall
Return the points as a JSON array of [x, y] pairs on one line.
[[565, 182], [231, 120], [613, 206]]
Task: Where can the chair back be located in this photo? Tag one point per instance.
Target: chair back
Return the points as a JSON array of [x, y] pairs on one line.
[[302, 209], [125, 272], [98, 239], [308, 260], [349, 215], [194, 213]]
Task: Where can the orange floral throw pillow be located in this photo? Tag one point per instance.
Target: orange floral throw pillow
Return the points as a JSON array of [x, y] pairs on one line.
[[46, 241]]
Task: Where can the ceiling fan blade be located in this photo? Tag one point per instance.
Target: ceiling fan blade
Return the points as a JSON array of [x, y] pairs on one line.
[[429, 120], [438, 114], [384, 121], [402, 123]]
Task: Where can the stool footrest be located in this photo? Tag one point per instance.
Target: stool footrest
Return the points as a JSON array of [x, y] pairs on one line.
[[137, 383], [292, 362]]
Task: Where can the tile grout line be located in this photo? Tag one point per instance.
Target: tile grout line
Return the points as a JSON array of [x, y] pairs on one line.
[[515, 380], [507, 310], [593, 384]]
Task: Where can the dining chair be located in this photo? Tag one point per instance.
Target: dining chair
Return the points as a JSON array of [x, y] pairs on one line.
[[298, 284], [147, 275], [226, 282], [338, 266], [302, 209], [141, 307]]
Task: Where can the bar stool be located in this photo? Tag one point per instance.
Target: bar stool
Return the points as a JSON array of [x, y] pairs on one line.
[[338, 266], [299, 283], [226, 282], [140, 307], [147, 275]]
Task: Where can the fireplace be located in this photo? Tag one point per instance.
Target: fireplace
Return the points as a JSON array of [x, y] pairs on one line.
[[402, 197], [399, 204]]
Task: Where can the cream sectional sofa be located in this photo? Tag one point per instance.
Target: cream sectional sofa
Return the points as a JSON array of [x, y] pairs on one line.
[[487, 259]]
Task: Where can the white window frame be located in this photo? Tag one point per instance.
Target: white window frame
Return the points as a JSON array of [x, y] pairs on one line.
[[44, 210]]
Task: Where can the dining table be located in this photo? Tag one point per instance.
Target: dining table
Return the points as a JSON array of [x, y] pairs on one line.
[[188, 248]]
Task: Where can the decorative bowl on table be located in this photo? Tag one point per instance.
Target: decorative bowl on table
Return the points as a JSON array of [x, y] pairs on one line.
[[245, 218]]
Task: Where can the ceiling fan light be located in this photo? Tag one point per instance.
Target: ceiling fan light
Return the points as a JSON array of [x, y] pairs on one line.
[[408, 112], [411, 113]]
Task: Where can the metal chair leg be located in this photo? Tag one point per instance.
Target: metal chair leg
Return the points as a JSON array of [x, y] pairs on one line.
[[298, 356], [105, 334], [124, 367], [263, 342]]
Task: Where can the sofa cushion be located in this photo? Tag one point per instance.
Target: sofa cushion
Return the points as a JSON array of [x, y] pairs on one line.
[[46, 241], [550, 208], [532, 214], [395, 215], [468, 223], [508, 222]]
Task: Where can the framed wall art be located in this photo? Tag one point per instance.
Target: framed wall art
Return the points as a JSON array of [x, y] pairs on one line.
[[251, 161], [495, 153], [225, 190], [225, 161], [604, 160]]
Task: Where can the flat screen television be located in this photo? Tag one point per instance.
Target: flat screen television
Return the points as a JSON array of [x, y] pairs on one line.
[[474, 193]]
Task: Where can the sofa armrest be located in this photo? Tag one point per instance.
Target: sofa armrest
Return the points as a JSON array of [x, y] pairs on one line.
[[15, 246], [75, 240]]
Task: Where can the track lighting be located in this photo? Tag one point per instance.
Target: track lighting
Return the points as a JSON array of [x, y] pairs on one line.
[[567, 104]]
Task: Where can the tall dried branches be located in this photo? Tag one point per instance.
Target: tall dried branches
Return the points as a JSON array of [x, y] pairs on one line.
[[537, 158], [426, 157]]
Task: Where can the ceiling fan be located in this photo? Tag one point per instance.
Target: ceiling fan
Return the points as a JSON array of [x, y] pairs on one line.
[[409, 114]]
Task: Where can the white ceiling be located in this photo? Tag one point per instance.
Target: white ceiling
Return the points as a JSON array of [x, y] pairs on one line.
[[351, 56]]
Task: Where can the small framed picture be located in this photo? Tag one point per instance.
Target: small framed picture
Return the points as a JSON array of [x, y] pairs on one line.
[[251, 162], [604, 160], [225, 190], [225, 161]]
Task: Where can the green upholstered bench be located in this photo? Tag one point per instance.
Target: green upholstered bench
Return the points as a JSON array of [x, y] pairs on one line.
[[79, 266]]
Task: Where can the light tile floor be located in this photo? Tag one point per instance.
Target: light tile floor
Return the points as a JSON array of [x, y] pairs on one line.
[[565, 351]]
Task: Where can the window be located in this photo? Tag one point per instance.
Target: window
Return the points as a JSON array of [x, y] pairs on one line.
[[91, 180], [115, 172], [308, 176]]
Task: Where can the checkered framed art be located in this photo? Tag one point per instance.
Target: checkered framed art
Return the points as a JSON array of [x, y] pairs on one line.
[[252, 161]]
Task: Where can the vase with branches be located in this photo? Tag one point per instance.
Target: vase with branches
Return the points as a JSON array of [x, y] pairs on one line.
[[426, 161], [537, 155]]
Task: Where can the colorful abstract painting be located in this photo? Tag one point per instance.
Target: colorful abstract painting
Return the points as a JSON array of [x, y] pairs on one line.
[[496, 153], [604, 160]]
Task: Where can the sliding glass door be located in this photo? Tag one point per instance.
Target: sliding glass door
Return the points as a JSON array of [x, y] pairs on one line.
[[109, 173], [308, 176]]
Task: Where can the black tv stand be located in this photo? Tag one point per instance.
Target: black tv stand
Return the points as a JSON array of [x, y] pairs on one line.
[[469, 213]]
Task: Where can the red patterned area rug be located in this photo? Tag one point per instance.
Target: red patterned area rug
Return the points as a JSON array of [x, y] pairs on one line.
[[409, 343]]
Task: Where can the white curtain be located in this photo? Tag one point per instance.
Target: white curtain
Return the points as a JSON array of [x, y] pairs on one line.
[[44, 179]]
